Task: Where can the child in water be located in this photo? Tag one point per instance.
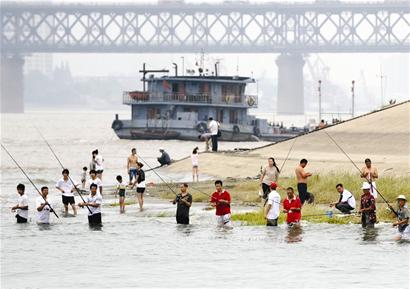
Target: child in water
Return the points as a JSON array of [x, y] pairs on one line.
[[121, 187]]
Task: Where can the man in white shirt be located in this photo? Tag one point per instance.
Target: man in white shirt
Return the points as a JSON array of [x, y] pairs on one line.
[[346, 203], [66, 186], [273, 206], [22, 206], [213, 129], [43, 207], [99, 168], [94, 180], [93, 202]]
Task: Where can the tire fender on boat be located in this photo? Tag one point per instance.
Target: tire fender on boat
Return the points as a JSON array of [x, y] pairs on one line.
[[201, 127], [256, 131], [117, 124]]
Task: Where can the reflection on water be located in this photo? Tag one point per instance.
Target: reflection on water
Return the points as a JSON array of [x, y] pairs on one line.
[[294, 234], [370, 234]]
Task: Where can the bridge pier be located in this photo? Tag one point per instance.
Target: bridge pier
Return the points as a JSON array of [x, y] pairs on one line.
[[290, 98], [12, 84]]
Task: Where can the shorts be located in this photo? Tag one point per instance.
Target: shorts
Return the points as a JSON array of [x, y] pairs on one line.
[[182, 219], [140, 190], [94, 219], [132, 173], [272, 222], [68, 200], [224, 220], [20, 219], [99, 171], [121, 193], [195, 167]]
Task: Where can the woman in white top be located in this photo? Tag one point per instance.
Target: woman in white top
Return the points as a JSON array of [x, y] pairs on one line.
[[270, 174], [194, 160]]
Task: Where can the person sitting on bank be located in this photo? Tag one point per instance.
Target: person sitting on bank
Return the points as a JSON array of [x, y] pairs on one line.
[[367, 207], [346, 203], [272, 207], [164, 159], [403, 216]]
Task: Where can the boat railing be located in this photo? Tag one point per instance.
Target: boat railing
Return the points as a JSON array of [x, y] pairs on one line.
[[135, 97]]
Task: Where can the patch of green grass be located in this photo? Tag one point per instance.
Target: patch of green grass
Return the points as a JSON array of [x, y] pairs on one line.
[[127, 203]]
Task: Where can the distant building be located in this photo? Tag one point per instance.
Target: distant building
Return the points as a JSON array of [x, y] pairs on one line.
[[39, 62]]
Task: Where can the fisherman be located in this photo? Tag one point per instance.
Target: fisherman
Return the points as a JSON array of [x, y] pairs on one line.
[[302, 178], [140, 182], [184, 202], [83, 177], [268, 175], [94, 201], [92, 162], [99, 167], [95, 180], [164, 159], [195, 164], [132, 165], [121, 188], [213, 128], [292, 207], [346, 202], [43, 207], [21, 208], [369, 172], [403, 216], [272, 207], [367, 207], [67, 188], [221, 200]]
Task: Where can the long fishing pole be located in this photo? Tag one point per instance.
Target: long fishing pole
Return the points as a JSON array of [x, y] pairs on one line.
[[359, 171], [62, 166], [24, 173], [287, 156], [154, 170]]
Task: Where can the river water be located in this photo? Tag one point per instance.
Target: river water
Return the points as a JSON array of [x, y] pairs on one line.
[[147, 249]]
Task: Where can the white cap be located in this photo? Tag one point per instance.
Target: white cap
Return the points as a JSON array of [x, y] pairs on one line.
[[366, 186], [401, 197], [161, 148]]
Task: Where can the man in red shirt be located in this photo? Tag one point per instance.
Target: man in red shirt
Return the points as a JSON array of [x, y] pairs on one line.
[[221, 200], [292, 206]]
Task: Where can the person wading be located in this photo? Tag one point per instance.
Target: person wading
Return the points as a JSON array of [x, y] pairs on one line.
[[292, 207], [272, 208], [184, 202], [270, 174], [21, 209], [403, 215], [43, 208], [67, 189], [221, 200], [94, 202], [367, 207]]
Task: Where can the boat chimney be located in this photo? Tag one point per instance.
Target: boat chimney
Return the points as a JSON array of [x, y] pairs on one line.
[[176, 68], [116, 116], [216, 68]]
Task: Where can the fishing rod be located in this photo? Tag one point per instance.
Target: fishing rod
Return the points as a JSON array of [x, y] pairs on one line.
[[62, 166], [24, 173], [359, 171], [287, 156], [330, 214], [154, 170]]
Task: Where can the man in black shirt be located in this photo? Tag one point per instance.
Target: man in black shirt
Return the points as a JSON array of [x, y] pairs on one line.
[[183, 201]]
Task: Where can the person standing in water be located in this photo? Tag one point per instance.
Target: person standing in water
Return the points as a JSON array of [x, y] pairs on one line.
[[195, 164], [83, 177], [67, 188], [94, 180], [43, 207], [292, 206], [367, 207], [221, 201], [403, 215], [302, 178], [272, 208], [99, 167], [270, 174], [94, 202], [140, 182], [21, 209], [370, 173], [132, 163], [184, 202], [121, 188]]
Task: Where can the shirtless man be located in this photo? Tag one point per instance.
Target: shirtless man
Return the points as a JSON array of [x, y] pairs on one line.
[[302, 178], [370, 173], [132, 163]]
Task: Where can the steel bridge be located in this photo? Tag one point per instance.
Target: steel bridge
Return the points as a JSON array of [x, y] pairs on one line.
[[290, 29]]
